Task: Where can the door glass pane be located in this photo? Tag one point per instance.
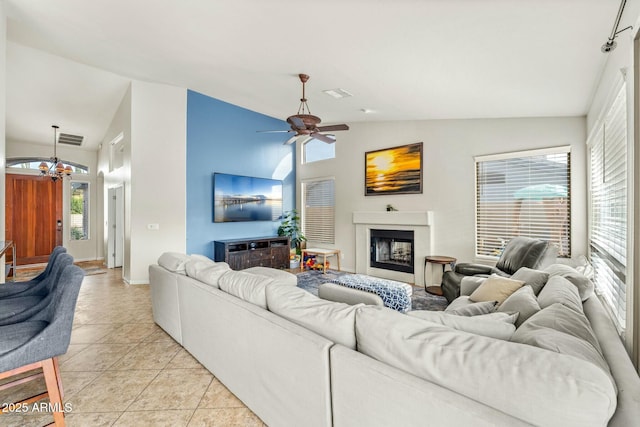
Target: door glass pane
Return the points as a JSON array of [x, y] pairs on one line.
[[79, 211]]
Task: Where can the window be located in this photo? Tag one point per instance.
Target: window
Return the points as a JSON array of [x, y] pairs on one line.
[[315, 150], [79, 211], [318, 210], [608, 207], [523, 194], [33, 163]]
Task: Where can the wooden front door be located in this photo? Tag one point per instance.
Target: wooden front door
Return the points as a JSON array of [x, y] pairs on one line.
[[33, 216]]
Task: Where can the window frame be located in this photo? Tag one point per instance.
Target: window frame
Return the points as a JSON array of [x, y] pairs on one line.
[[304, 214], [86, 214]]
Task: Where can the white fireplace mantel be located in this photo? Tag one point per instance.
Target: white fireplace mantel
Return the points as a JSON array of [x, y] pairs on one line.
[[418, 221]]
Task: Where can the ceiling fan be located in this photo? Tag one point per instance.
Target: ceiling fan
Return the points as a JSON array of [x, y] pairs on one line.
[[305, 124]]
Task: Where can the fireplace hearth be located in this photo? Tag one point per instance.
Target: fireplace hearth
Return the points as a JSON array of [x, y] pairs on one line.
[[392, 250]]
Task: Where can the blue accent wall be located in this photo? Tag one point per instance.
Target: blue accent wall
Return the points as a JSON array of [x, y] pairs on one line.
[[222, 137]]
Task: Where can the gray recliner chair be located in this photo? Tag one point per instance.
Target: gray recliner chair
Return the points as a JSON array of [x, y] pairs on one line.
[[519, 252]]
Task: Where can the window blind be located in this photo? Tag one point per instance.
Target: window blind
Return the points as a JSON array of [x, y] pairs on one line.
[[523, 194], [608, 207], [318, 214]]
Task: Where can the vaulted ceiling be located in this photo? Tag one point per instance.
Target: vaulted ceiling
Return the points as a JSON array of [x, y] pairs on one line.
[[69, 61]]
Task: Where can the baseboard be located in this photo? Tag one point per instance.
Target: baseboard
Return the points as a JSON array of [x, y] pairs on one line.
[[136, 282], [88, 259]]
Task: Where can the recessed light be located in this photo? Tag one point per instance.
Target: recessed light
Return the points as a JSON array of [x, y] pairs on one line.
[[366, 110], [338, 93]]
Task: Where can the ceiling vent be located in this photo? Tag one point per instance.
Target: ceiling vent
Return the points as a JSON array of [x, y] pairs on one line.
[[66, 138]]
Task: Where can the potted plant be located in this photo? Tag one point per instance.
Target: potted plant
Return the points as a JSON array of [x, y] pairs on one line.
[[290, 227]]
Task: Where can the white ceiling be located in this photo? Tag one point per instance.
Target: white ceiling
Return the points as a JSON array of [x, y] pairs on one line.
[[403, 59]]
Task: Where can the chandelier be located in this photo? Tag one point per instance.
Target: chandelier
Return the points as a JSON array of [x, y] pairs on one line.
[[56, 170]]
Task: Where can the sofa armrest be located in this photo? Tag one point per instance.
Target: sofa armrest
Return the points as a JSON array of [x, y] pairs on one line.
[[469, 269]]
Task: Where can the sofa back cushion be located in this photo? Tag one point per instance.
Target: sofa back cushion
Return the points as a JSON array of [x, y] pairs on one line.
[[208, 272], [174, 261], [524, 381], [583, 283], [476, 325], [560, 290], [246, 286], [333, 320]]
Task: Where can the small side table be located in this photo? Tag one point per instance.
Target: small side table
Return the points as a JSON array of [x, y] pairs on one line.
[[443, 261], [324, 253]]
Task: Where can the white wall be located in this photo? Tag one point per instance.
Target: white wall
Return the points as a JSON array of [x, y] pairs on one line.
[[449, 174], [158, 175]]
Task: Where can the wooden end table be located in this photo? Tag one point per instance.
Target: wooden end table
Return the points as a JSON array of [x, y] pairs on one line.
[[443, 261], [321, 252]]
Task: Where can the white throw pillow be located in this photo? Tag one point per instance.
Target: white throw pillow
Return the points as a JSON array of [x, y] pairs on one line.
[[495, 288], [246, 286], [474, 325], [333, 320]]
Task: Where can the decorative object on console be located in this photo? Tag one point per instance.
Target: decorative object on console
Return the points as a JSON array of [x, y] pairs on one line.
[[305, 124], [244, 198], [57, 170], [395, 170]]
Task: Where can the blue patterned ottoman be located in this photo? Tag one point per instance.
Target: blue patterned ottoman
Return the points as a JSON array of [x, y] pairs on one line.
[[395, 295]]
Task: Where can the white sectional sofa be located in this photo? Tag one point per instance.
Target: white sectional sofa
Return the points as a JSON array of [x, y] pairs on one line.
[[295, 359]]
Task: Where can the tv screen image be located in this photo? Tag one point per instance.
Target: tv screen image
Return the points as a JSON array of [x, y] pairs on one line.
[[244, 198]]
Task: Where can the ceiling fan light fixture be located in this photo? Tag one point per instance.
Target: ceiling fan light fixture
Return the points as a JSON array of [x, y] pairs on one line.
[[338, 93]]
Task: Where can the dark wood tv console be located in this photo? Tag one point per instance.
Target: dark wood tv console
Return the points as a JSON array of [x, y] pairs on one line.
[[258, 252]]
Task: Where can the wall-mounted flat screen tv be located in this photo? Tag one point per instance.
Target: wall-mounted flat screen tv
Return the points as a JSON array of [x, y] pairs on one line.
[[244, 198]]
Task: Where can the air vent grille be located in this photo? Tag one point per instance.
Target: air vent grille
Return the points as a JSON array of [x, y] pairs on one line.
[[66, 138]]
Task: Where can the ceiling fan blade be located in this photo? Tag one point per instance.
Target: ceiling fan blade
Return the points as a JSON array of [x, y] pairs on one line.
[[274, 131], [332, 128], [297, 122], [291, 140], [324, 138]]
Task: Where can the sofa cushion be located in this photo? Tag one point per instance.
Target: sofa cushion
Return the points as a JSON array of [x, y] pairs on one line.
[[563, 330], [463, 306], [582, 282], [476, 325], [495, 288], [534, 278], [207, 272], [522, 301], [560, 290], [523, 381], [174, 261], [280, 276], [333, 320], [246, 286]]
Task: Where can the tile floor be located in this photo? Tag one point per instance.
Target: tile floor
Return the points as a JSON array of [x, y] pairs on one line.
[[123, 370]]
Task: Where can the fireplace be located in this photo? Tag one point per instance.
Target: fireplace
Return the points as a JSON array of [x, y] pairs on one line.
[[392, 250]]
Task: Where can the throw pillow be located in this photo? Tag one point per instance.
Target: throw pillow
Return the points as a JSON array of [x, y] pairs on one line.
[[522, 301], [534, 278], [174, 261], [509, 317], [474, 325], [495, 288], [560, 290], [584, 285], [462, 306]]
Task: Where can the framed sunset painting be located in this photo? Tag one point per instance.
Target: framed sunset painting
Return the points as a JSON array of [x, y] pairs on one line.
[[395, 170]]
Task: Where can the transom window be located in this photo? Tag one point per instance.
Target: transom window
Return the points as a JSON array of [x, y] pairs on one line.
[[315, 150], [523, 194], [33, 163]]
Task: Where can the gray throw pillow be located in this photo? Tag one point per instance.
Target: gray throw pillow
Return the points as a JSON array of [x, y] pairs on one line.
[[486, 327], [534, 278], [463, 306], [560, 290], [522, 301], [582, 282]]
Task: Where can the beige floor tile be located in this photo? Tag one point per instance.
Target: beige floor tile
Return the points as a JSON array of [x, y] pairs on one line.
[[184, 360], [225, 418], [72, 351], [218, 396], [73, 382], [159, 335], [103, 419], [148, 355], [96, 357], [130, 333], [173, 418], [174, 389], [112, 391], [87, 334], [25, 420]]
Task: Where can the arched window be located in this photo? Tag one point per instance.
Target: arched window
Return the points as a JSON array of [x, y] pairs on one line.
[[33, 163]]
